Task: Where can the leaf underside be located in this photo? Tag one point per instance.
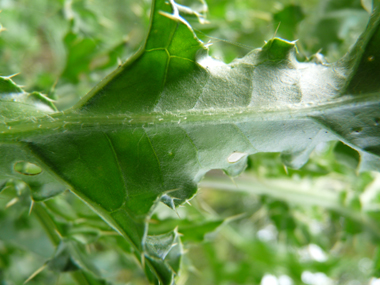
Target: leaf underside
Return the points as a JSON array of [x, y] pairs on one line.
[[151, 130]]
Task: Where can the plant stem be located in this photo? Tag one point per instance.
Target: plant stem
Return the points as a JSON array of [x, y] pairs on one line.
[[292, 193], [52, 231], [47, 222]]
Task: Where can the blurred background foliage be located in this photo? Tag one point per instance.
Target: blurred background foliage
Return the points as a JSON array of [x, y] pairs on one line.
[[271, 226]]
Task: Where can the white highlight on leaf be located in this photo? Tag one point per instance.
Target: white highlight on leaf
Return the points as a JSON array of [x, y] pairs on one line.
[[43, 107], [212, 65], [236, 156]]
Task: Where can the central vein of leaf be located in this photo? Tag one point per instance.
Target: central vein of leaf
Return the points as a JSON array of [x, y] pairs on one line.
[[71, 121]]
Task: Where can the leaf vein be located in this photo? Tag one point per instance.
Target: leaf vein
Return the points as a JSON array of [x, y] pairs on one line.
[[118, 165], [156, 156]]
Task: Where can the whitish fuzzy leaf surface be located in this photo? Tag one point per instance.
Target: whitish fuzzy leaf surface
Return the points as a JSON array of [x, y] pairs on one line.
[[151, 130]]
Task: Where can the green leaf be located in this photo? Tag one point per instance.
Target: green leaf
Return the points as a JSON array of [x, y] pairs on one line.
[[62, 260], [69, 257], [16, 104], [346, 155], [191, 231], [150, 130], [288, 19]]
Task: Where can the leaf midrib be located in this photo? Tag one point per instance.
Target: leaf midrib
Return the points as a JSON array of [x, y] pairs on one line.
[[74, 121]]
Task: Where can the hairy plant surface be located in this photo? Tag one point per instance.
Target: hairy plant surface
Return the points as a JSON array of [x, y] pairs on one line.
[[150, 131]]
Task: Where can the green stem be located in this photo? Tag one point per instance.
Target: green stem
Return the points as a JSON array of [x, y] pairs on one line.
[[294, 193], [51, 229], [48, 223]]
